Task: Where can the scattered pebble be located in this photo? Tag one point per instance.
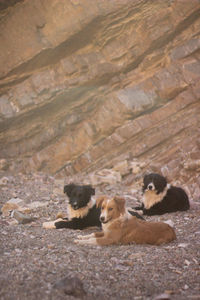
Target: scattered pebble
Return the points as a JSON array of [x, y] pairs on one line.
[[70, 285], [22, 218], [163, 296], [4, 180], [112, 272], [169, 222], [182, 245]]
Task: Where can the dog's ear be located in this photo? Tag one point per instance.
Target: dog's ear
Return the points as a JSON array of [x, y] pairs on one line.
[[99, 201], [91, 190], [146, 179], [68, 189], [160, 183], [120, 201]]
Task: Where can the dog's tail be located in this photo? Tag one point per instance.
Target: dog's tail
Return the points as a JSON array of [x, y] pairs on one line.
[[134, 213]]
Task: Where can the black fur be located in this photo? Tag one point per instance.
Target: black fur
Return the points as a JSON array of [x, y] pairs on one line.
[[135, 214], [91, 219], [79, 196], [174, 200], [159, 182]]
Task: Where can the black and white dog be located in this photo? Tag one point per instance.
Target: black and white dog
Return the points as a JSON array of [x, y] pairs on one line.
[[82, 209], [159, 197]]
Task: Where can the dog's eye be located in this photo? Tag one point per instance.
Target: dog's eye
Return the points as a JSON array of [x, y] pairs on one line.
[[110, 208], [102, 208]]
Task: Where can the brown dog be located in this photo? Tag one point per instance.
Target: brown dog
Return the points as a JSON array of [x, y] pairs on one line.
[[119, 227]]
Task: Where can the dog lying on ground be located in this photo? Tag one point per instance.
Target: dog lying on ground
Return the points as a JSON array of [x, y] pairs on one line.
[[82, 209], [119, 227], [160, 198]]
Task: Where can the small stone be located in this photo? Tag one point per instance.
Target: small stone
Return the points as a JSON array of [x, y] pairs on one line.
[[13, 222], [70, 285], [136, 166], [58, 191], [3, 164], [59, 182], [17, 201], [194, 205], [4, 180], [7, 208], [136, 255], [136, 170], [192, 165], [163, 296], [18, 250], [182, 245], [105, 176], [187, 262], [168, 292], [22, 218], [3, 222], [129, 263], [25, 210], [12, 204], [169, 222], [37, 204], [122, 167]]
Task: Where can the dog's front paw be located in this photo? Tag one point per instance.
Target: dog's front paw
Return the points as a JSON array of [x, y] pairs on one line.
[[91, 241], [80, 242], [80, 237], [49, 225]]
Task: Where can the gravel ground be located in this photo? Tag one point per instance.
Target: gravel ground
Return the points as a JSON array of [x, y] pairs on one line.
[[46, 264]]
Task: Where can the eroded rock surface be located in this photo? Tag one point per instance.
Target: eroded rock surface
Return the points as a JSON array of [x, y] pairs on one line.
[[83, 83]]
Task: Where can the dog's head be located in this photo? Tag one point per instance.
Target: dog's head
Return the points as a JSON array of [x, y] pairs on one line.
[[154, 182], [79, 195], [110, 208]]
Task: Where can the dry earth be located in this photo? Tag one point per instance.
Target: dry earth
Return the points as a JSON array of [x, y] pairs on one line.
[[34, 260]]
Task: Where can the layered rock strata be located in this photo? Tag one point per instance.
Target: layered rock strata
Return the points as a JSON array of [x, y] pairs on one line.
[[87, 83]]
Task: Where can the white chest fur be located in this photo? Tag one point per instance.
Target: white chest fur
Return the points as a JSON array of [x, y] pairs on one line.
[[81, 212], [150, 197]]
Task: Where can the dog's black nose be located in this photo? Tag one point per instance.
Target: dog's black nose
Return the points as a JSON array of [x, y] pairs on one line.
[[102, 219], [150, 187], [75, 206]]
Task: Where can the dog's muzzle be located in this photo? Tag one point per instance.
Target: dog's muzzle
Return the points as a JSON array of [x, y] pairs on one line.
[[150, 187], [102, 220], [75, 206]]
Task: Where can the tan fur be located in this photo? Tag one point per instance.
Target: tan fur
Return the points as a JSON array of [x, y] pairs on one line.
[[121, 228], [150, 197]]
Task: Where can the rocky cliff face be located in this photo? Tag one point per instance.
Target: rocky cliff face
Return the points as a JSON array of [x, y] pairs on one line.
[[85, 84]]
